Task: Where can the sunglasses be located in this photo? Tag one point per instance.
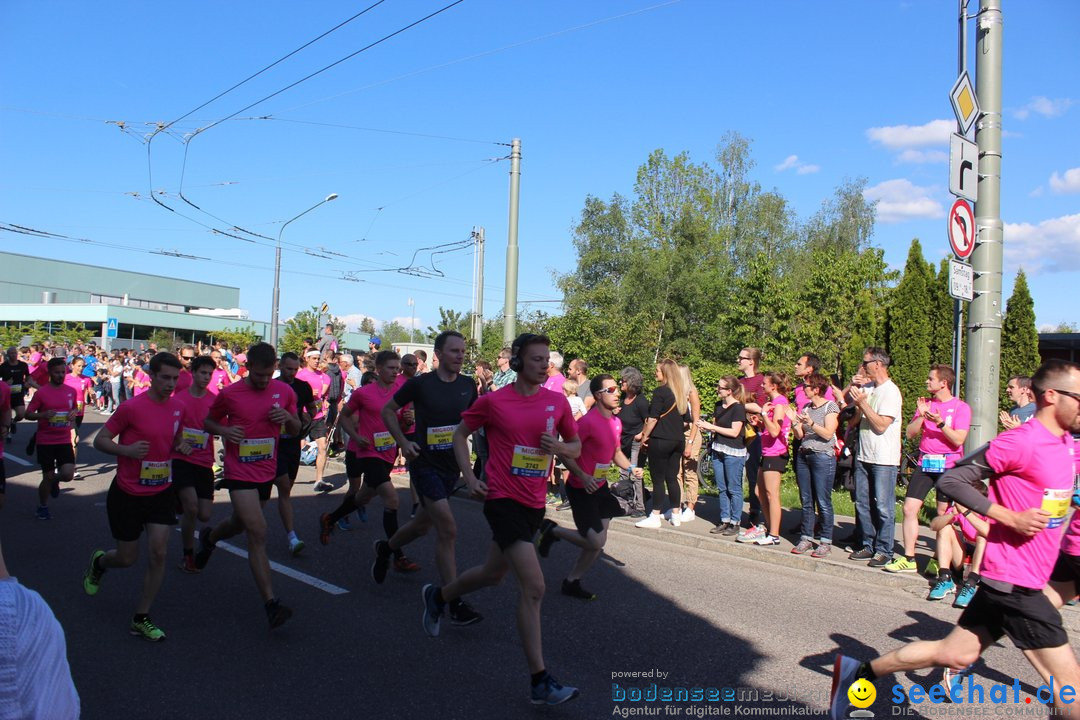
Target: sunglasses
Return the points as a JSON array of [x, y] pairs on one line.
[[609, 390], [743, 357], [1066, 393]]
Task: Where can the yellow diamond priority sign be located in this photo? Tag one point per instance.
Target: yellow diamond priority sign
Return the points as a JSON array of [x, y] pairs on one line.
[[964, 102]]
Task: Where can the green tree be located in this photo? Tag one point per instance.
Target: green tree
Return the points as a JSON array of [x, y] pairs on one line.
[[239, 337], [942, 328], [1019, 337], [163, 339], [12, 335], [367, 326], [908, 327], [307, 324], [392, 332], [71, 333]]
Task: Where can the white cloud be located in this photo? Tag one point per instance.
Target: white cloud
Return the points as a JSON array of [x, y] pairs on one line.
[[923, 156], [1043, 106], [404, 321], [899, 201], [352, 321], [1037, 192], [1067, 183], [801, 168], [898, 137], [1051, 246]]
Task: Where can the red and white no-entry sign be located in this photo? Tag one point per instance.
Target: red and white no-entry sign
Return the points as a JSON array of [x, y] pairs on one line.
[[961, 228]]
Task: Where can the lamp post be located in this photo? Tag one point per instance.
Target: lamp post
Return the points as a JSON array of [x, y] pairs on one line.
[[412, 322], [277, 269]]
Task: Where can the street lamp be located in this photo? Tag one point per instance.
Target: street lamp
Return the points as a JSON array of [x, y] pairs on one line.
[[277, 268]]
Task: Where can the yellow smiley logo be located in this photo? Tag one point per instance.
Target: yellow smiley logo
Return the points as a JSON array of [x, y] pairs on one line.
[[862, 693]]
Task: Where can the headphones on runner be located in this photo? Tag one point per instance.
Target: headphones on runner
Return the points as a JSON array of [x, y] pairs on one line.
[[520, 342]]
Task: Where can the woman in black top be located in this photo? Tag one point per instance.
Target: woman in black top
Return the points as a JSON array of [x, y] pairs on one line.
[[663, 436], [728, 452], [633, 411]]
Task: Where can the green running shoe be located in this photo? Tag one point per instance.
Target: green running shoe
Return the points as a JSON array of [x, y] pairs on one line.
[[92, 577], [147, 630]]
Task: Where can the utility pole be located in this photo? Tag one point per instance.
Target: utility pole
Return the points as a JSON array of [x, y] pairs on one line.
[[984, 313], [510, 301], [476, 329]]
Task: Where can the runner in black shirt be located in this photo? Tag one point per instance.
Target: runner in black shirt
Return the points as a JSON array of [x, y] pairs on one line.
[[16, 374], [438, 399]]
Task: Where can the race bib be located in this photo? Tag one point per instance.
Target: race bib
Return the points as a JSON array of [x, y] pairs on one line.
[[60, 419], [256, 449], [1056, 504], [529, 462], [16, 389], [600, 472], [384, 442], [154, 473], [197, 439], [79, 405], [933, 463], [440, 438]]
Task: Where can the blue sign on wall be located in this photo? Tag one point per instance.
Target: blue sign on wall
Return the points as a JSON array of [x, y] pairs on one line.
[[111, 329]]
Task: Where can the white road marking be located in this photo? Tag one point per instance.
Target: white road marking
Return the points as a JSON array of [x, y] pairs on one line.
[[17, 460], [286, 571]]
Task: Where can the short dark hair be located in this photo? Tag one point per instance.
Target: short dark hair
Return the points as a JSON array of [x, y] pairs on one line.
[[54, 362], [164, 359], [1022, 381], [202, 361], [290, 355], [812, 361], [384, 356], [440, 340], [945, 373], [422, 354], [817, 381], [581, 364], [524, 340], [1049, 374], [597, 383], [261, 355], [878, 354]]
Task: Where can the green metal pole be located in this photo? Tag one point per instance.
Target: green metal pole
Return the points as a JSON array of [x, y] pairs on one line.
[[510, 302], [984, 319]]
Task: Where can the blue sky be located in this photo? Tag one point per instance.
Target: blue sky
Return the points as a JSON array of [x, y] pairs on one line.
[[826, 90]]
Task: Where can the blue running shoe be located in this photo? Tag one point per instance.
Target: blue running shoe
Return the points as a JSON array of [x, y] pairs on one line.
[[362, 514], [963, 598], [954, 679], [843, 674], [344, 524], [432, 610], [943, 587], [550, 692]]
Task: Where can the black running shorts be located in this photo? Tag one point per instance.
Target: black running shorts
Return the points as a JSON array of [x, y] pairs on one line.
[[263, 488], [591, 509], [512, 522], [186, 474], [374, 471], [129, 514], [1025, 615], [288, 459], [774, 463], [53, 457]]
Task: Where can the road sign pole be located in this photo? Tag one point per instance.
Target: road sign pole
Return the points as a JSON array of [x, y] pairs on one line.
[[510, 298], [984, 313]]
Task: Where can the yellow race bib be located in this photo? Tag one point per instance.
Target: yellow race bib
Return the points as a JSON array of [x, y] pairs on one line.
[[440, 438], [256, 450], [1056, 504], [384, 442], [197, 439], [529, 462], [155, 472]]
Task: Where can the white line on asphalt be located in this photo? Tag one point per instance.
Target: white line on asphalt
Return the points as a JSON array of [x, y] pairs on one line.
[[286, 571], [18, 460]]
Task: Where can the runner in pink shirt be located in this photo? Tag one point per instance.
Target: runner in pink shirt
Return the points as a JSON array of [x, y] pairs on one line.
[[142, 434], [591, 501], [523, 423], [370, 454], [53, 406], [776, 423], [187, 355], [140, 381], [250, 416], [82, 386], [193, 473], [320, 386], [1030, 471], [943, 422]]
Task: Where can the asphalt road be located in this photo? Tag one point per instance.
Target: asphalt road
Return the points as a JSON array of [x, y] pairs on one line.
[[672, 613]]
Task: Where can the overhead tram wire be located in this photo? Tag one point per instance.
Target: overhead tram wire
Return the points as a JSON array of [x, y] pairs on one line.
[[378, 130], [199, 131]]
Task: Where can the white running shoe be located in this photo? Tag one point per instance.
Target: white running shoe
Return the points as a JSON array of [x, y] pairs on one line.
[[674, 519], [652, 521], [688, 514]]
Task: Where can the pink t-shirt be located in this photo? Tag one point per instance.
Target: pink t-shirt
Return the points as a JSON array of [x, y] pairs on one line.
[[776, 446], [555, 382], [158, 423], [320, 385], [57, 429], [599, 440], [367, 403], [183, 382], [196, 409], [1032, 468], [1070, 543], [79, 384], [142, 382], [219, 380], [955, 414], [5, 410], [801, 401], [254, 459], [513, 423], [966, 528]]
